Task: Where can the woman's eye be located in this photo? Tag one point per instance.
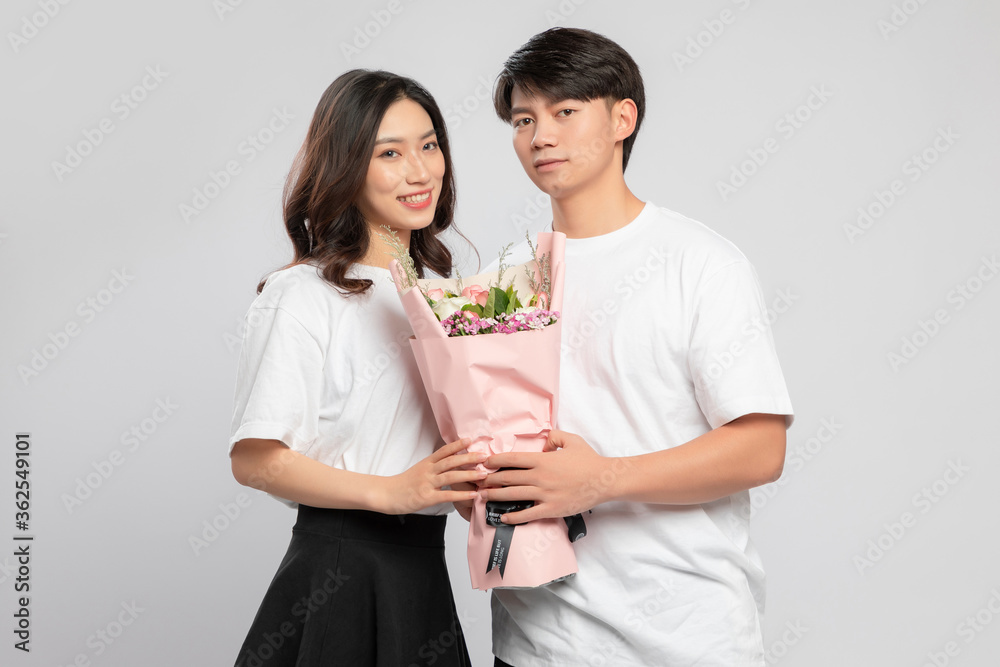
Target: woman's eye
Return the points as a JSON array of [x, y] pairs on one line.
[[386, 154], [432, 144]]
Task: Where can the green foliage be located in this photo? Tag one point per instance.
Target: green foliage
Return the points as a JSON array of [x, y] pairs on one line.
[[474, 307]]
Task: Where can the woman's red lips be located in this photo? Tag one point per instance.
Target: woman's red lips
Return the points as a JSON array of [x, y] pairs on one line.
[[417, 200]]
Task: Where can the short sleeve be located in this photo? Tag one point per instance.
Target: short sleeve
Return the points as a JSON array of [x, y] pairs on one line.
[[279, 381], [731, 355]]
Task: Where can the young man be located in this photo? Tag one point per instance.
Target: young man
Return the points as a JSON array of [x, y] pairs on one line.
[[672, 402]]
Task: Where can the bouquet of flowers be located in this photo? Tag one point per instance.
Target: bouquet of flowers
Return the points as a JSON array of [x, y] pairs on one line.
[[488, 354]]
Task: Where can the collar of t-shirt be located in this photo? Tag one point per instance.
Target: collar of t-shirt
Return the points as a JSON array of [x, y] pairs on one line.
[[576, 247]]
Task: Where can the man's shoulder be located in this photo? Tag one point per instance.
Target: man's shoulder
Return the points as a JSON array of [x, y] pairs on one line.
[[685, 236], [687, 241]]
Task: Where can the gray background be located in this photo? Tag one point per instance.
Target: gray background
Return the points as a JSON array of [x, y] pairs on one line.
[[172, 334]]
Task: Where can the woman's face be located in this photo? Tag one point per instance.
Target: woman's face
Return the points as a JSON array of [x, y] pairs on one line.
[[405, 173]]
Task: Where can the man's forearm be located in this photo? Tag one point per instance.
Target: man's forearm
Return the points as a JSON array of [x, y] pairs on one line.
[[572, 477], [747, 452]]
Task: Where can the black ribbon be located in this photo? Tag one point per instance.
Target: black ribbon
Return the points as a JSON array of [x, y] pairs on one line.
[[576, 526], [504, 532]]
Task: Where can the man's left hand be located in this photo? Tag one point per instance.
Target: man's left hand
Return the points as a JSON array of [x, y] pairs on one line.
[[564, 479]]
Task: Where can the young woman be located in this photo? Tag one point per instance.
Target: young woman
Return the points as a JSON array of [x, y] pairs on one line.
[[330, 411]]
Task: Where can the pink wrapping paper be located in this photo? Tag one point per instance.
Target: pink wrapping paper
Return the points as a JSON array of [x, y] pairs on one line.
[[500, 391]]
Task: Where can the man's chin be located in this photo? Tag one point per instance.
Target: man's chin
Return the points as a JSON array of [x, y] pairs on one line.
[[554, 187]]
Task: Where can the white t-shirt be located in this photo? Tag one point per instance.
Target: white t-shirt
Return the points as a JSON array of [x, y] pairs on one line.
[[664, 339], [333, 377]]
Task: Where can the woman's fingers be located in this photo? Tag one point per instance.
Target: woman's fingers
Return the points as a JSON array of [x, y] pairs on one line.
[[449, 449], [453, 477], [459, 460], [455, 496]]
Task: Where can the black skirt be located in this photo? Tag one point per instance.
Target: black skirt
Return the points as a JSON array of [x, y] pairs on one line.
[[359, 588]]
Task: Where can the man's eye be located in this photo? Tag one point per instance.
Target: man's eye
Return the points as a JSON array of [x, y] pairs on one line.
[[521, 122], [567, 111]]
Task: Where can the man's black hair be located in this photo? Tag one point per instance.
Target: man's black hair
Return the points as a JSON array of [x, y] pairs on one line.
[[572, 63]]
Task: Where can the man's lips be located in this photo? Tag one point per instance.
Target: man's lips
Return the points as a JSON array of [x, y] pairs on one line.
[[548, 164]]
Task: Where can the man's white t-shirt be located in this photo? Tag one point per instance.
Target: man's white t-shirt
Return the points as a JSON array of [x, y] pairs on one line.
[[333, 376], [664, 338]]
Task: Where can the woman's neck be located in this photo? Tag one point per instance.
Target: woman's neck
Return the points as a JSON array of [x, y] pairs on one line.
[[379, 250]]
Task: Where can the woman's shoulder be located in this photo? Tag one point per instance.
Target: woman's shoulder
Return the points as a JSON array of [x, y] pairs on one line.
[[300, 291], [288, 279]]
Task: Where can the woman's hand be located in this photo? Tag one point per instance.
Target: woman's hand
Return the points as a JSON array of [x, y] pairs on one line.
[[464, 507], [420, 486]]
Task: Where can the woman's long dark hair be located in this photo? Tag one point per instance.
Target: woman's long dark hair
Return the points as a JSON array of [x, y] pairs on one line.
[[329, 173]]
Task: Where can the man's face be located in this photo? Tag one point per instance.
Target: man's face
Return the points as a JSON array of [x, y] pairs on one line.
[[563, 145]]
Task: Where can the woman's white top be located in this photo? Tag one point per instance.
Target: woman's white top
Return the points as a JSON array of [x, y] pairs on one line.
[[333, 376]]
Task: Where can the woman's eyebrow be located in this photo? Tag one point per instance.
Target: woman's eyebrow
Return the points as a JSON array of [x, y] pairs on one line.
[[393, 140]]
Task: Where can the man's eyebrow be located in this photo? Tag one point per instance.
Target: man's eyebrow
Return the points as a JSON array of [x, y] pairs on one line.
[[397, 140], [548, 103]]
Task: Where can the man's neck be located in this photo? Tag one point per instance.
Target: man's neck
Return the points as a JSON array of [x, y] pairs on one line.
[[595, 210]]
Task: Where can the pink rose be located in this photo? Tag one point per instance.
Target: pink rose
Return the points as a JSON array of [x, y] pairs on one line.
[[436, 294], [477, 294]]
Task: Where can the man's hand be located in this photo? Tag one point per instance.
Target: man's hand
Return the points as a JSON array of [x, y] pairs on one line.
[[567, 478], [570, 477]]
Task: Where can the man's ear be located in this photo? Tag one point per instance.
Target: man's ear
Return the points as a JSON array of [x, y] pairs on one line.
[[623, 115]]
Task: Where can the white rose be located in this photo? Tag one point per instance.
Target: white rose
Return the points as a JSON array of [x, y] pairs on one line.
[[445, 307]]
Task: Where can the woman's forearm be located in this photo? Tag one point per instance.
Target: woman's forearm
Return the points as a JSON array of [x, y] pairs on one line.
[[269, 465]]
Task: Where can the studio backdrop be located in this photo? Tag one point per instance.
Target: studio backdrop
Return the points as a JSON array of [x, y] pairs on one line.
[[848, 149]]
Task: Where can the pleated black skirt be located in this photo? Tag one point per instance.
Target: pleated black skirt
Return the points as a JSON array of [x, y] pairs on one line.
[[359, 588]]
